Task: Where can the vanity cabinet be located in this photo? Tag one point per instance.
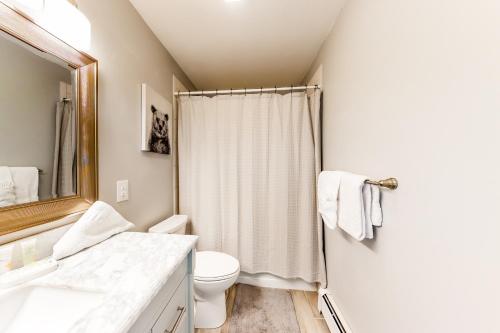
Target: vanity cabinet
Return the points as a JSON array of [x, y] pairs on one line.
[[172, 310]]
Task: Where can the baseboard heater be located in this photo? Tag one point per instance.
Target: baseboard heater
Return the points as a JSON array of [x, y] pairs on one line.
[[332, 319]]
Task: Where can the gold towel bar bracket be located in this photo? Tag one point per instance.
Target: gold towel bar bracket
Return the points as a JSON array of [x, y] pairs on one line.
[[390, 183]]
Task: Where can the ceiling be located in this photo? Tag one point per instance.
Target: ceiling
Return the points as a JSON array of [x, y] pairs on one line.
[[246, 43]]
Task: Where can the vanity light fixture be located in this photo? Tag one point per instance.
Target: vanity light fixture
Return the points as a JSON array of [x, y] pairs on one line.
[[28, 5], [59, 17], [65, 21]]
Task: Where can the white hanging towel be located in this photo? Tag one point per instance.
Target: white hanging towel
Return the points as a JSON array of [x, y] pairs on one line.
[[7, 192], [376, 206], [351, 209], [367, 208], [25, 183], [359, 206], [345, 200], [328, 191]]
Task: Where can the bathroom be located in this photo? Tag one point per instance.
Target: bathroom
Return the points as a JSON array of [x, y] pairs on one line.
[[185, 166]]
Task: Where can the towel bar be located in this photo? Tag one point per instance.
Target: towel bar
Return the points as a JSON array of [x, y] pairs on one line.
[[390, 183]]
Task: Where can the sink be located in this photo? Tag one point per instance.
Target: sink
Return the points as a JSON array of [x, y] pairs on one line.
[[30, 308]]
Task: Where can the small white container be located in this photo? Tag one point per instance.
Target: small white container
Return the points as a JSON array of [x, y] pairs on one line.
[[6, 258], [29, 251]]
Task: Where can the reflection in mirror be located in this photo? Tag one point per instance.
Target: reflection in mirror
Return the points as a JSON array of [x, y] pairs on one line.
[[37, 125]]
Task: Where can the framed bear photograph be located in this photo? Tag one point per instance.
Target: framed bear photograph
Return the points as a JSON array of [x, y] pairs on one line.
[[156, 122]]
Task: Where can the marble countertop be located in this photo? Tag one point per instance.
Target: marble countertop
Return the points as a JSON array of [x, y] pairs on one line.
[[129, 268]]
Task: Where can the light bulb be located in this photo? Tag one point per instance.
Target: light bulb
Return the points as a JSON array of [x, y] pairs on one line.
[[65, 21]]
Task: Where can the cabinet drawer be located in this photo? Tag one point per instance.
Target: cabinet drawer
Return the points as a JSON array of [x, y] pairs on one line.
[[173, 317], [183, 326], [157, 305]]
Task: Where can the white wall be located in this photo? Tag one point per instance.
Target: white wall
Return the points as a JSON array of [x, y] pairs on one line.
[[129, 54], [412, 90]]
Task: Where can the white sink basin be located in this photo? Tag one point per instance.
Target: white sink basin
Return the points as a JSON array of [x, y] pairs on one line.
[[44, 309]]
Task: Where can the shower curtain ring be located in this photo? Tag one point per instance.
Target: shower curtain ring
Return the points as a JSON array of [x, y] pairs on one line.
[[275, 89], [216, 92], [189, 93], [245, 91], [231, 92], [261, 90]]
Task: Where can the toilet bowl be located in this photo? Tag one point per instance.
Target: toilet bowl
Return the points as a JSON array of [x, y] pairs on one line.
[[214, 273]]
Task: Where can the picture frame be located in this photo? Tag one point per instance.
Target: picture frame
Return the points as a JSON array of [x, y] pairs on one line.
[[156, 122]]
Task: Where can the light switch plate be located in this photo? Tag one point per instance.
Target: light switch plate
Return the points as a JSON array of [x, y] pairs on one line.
[[121, 190]]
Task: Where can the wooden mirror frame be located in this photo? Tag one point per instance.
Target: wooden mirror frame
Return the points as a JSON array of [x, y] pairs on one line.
[[24, 216]]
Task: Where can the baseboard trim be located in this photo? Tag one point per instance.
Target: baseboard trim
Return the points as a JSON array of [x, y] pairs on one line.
[[335, 321], [271, 281]]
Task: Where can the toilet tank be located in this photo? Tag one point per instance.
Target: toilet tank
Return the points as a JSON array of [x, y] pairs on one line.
[[175, 224]]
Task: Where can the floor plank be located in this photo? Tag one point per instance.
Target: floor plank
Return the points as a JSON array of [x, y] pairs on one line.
[[303, 312], [310, 319], [297, 302], [312, 297], [231, 296], [321, 326]]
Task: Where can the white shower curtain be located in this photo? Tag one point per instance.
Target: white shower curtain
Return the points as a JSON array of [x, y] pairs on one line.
[[247, 179]]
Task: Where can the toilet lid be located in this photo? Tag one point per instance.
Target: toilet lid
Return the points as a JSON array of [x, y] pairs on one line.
[[212, 265]]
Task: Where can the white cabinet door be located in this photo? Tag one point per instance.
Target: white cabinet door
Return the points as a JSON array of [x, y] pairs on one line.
[[174, 315]]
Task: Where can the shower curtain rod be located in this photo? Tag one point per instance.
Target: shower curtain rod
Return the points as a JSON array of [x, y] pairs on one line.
[[243, 91]]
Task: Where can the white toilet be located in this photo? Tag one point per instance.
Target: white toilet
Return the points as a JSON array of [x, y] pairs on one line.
[[214, 273]]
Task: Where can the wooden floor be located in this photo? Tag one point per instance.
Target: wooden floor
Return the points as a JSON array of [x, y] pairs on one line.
[[308, 317]]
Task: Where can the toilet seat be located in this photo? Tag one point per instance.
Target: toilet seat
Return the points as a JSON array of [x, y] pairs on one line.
[[215, 266]]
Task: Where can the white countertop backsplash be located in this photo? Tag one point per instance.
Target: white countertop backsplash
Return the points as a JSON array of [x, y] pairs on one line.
[[129, 268]]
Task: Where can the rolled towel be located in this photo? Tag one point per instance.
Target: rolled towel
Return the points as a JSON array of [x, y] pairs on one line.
[[26, 183], [328, 191], [7, 190]]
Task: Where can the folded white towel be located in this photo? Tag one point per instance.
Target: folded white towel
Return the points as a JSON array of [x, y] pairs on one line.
[[99, 222], [367, 204], [7, 191], [351, 210], [5, 178], [25, 183], [328, 191], [376, 206]]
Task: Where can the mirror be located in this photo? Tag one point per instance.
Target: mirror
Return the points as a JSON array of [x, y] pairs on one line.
[[48, 110], [38, 125]]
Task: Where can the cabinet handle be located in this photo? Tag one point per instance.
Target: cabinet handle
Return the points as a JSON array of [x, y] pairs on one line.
[[181, 310]]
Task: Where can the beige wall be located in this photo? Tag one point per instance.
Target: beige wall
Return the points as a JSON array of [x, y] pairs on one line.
[[29, 91], [129, 54], [412, 90]]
